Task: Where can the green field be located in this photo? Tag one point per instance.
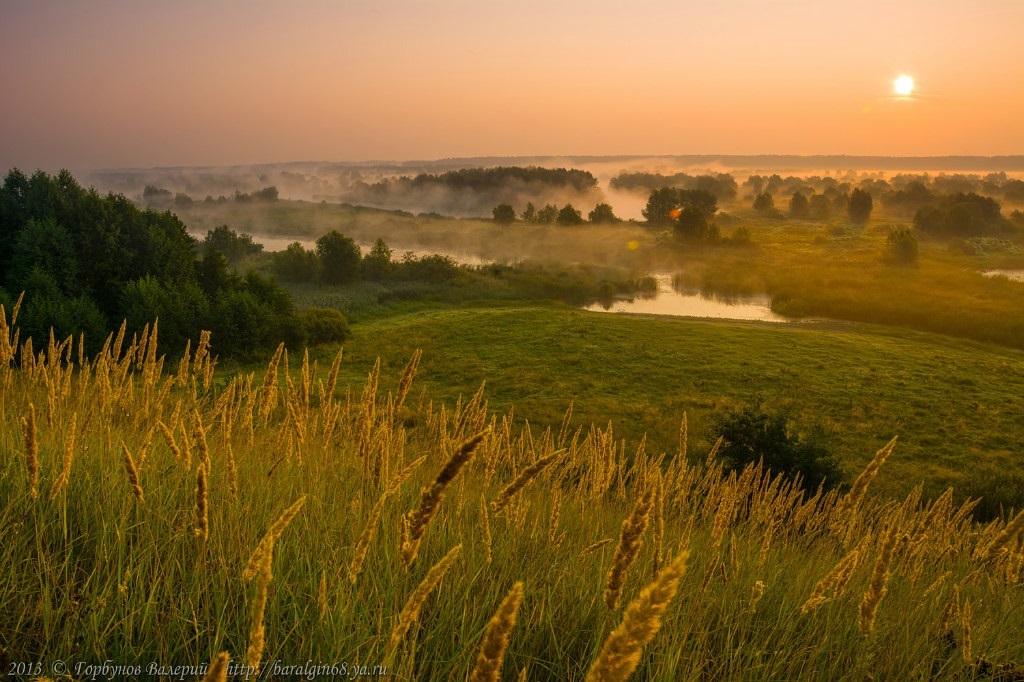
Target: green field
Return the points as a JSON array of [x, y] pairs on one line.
[[956, 406]]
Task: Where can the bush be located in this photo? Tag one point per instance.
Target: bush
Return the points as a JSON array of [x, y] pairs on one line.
[[751, 434], [324, 325], [902, 246]]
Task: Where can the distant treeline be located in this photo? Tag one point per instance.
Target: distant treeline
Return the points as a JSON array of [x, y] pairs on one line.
[[904, 190], [159, 197], [721, 185], [86, 262], [474, 191]]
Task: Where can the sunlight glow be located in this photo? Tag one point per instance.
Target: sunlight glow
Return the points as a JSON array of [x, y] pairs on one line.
[[903, 86]]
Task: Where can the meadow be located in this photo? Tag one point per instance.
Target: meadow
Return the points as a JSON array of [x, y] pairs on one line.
[[155, 513]]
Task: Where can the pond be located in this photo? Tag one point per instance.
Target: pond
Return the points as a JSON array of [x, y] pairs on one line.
[[672, 302]]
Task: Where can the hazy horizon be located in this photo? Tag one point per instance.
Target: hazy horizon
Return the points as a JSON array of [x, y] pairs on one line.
[[121, 84]]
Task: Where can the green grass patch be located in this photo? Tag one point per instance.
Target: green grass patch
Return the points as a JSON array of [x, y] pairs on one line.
[[955, 405]]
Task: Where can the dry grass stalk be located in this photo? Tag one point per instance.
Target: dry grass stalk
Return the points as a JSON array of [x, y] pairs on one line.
[[257, 631], [28, 425], [965, 629], [556, 510], [402, 476], [267, 543], [202, 529], [492, 650], [485, 527], [629, 546], [596, 546], [232, 471], [756, 593], [218, 670], [133, 472], [860, 486], [411, 611], [843, 568], [201, 444], [365, 538], [523, 479], [322, 595], [406, 382], [69, 454], [269, 389], [1011, 533], [332, 379], [683, 436], [659, 519], [879, 581], [621, 651], [431, 497]]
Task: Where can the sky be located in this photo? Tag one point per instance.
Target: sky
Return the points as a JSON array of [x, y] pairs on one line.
[[94, 84]]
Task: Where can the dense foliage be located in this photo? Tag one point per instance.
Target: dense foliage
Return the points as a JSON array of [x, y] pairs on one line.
[[87, 261], [751, 435]]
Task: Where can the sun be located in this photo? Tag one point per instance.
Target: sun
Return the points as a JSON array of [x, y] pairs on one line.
[[903, 86]]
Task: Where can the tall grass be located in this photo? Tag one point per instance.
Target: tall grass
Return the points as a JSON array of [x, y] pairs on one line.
[[153, 564]]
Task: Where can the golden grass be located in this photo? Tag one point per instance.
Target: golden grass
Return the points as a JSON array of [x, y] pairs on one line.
[[132, 471], [620, 654], [411, 611], [629, 546], [416, 520], [492, 650], [28, 424]]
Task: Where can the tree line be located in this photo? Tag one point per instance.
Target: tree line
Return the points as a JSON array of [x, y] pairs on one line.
[[87, 261]]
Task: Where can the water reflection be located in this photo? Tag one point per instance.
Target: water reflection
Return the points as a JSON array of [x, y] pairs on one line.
[[1015, 275], [669, 301]]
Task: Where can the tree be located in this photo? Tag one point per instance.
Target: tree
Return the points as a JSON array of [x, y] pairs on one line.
[[377, 263], [664, 204], [504, 214], [660, 205], [340, 257], [764, 203], [693, 226], [602, 213], [799, 207], [750, 435], [296, 264], [547, 214], [820, 207], [902, 246], [859, 208], [235, 247], [569, 216], [529, 213]]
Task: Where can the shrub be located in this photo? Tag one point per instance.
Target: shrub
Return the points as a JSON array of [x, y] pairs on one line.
[[751, 434], [902, 246], [324, 325]]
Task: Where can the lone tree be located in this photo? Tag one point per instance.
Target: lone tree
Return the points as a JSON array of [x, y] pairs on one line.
[[504, 214], [751, 435], [859, 208], [902, 246]]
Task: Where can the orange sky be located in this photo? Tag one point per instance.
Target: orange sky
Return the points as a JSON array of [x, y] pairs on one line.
[[125, 83]]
